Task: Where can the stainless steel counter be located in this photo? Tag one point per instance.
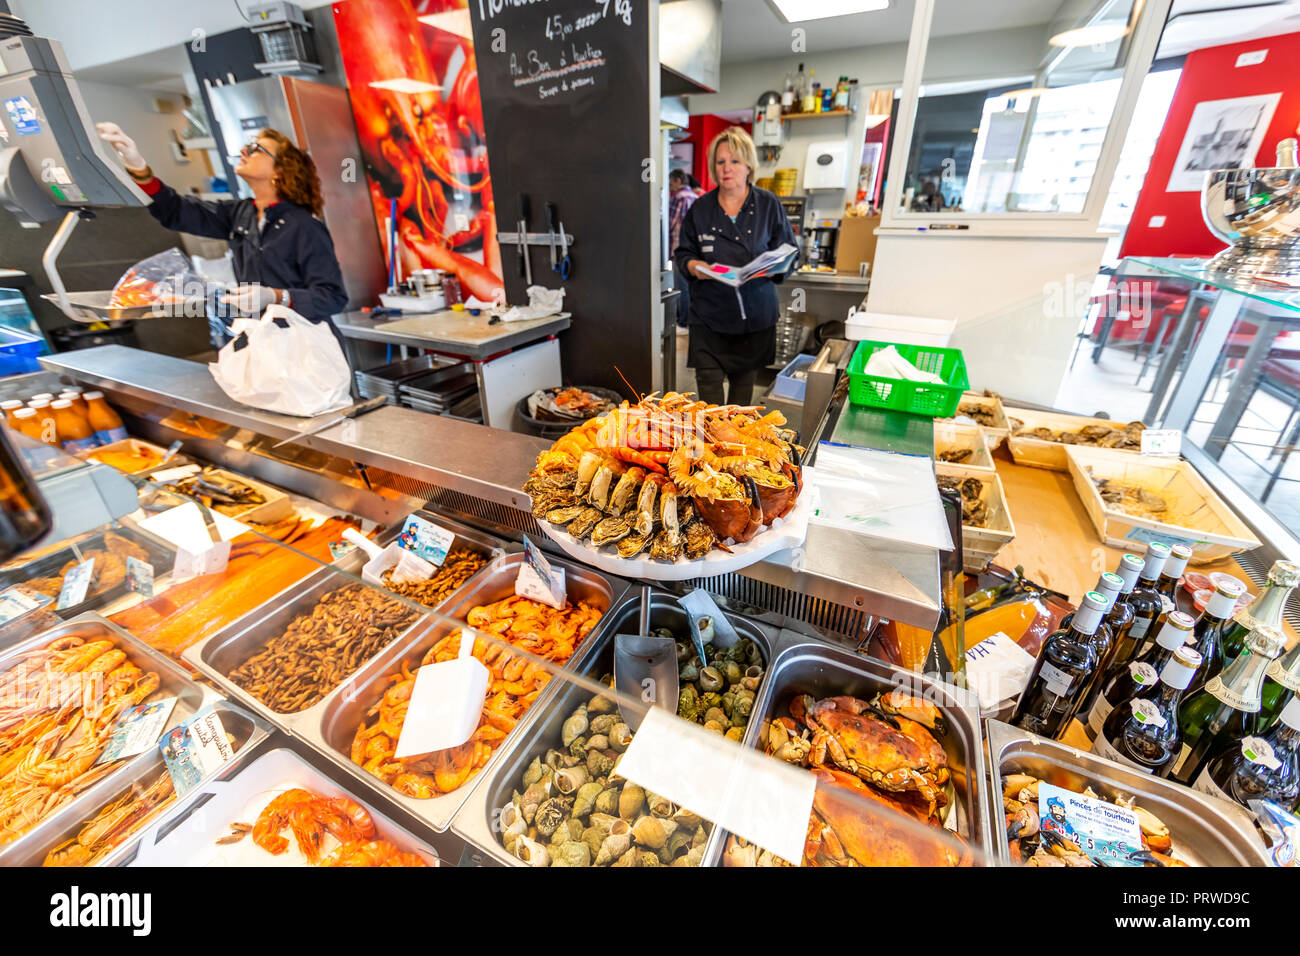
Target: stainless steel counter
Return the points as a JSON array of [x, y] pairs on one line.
[[399, 455], [831, 281], [459, 333]]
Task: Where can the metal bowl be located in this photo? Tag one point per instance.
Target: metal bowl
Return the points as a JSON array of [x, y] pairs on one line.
[[1256, 211]]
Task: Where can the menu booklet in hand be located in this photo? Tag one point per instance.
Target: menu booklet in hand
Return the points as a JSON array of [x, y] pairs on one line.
[[772, 262]]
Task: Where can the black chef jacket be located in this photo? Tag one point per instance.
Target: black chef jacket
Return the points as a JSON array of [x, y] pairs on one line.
[[709, 234], [293, 250]]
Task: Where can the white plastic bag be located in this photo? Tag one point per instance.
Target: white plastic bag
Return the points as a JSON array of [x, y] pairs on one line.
[[299, 370]]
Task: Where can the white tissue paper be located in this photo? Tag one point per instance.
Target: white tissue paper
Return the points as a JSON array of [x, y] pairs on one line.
[[541, 303], [880, 494], [887, 363]]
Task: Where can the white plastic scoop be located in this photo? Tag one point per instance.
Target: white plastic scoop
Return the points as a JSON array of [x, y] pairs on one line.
[[414, 567], [446, 703]]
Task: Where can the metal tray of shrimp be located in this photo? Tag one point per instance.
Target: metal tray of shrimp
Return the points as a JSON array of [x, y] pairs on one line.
[[1205, 831], [173, 681], [64, 848], [477, 820], [335, 720], [821, 671], [220, 654]]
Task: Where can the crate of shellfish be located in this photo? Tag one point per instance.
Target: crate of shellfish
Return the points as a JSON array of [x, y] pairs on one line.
[[985, 412], [1039, 439], [1135, 499], [986, 526], [1177, 825], [957, 444]]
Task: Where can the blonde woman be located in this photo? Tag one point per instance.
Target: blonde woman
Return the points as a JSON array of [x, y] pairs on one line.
[[733, 331]]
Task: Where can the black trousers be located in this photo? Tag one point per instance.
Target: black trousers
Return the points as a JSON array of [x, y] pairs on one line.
[[709, 383], [716, 356]]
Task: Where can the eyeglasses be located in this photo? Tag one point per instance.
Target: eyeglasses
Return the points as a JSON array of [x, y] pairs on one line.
[[250, 148]]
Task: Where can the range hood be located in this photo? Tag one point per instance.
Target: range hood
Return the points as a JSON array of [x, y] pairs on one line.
[[690, 46]]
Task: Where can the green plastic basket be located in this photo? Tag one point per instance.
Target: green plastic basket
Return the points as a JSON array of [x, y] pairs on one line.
[[915, 398]]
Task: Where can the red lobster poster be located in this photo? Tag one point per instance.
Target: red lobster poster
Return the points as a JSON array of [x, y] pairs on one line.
[[413, 83]]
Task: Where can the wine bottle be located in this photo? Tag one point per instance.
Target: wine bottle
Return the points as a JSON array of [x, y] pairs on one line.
[[1209, 631], [1281, 681], [1261, 768], [1063, 668], [1265, 610], [1109, 586], [1144, 733], [1221, 713], [1139, 675], [787, 95], [1172, 573], [1118, 619], [1145, 601]]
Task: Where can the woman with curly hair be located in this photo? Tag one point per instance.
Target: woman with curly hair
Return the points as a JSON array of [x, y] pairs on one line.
[[282, 252]]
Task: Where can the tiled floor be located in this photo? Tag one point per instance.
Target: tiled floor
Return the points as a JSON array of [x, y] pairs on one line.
[[1110, 387]]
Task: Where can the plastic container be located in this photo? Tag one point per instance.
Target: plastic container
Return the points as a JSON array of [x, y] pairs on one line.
[[786, 385], [899, 329], [106, 423], [40, 397], [75, 434], [915, 398], [45, 422], [78, 403], [9, 408]]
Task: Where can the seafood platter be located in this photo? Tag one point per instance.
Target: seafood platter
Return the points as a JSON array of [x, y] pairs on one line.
[[358, 723], [1179, 827], [1140, 497], [556, 800], [672, 488], [898, 757]]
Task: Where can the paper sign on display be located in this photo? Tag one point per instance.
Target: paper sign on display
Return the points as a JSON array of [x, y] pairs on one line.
[[997, 668], [16, 602], [138, 729], [426, 539], [765, 801], [1146, 536], [75, 584], [139, 577], [190, 564], [1104, 832], [196, 553], [168, 475], [1162, 441], [538, 581], [195, 749]]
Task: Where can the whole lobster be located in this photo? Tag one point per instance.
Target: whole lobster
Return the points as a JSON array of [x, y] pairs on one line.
[[421, 147]]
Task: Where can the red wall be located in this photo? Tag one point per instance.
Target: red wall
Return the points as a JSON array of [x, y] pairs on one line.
[[1210, 75], [702, 130]]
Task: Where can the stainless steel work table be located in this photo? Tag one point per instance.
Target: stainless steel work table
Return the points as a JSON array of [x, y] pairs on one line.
[[405, 455]]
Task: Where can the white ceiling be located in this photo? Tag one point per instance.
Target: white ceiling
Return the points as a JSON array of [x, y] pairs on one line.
[[163, 70]]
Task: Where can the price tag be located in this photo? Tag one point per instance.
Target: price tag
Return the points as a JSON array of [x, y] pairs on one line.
[[538, 581], [426, 539], [139, 577], [1258, 750], [195, 749], [138, 729], [1148, 713], [766, 801], [168, 475], [1102, 831], [75, 584], [411, 568], [16, 602], [1162, 441], [191, 564]]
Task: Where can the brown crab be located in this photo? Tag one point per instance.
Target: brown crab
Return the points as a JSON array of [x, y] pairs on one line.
[[888, 751]]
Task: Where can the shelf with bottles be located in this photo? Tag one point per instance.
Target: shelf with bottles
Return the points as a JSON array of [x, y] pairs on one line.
[[799, 116]]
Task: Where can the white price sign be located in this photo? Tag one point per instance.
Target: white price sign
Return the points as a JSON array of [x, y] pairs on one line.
[[1162, 441]]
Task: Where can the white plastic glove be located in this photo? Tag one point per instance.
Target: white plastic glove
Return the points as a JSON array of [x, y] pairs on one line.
[[251, 299], [112, 134]]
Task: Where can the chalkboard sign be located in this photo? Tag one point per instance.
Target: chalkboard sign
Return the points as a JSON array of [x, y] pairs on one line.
[[568, 118]]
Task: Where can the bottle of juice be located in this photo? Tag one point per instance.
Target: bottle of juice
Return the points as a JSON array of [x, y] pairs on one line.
[[9, 408], [30, 426], [108, 427], [37, 423], [75, 434], [45, 419], [74, 396], [40, 397]]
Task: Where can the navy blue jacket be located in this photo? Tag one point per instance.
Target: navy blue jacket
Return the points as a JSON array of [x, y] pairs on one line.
[[293, 251], [709, 234]]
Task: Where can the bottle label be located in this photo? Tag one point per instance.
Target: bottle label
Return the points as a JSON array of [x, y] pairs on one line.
[[1139, 628], [1103, 748], [1143, 674], [1146, 712], [1217, 688], [1058, 681], [1097, 716], [1181, 759], [110, 435], [1205, 784], [1257, 750], [74, 445], [1282, 676]]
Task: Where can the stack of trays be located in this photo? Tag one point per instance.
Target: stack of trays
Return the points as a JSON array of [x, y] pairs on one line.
[[442, 391], [386, 380]]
